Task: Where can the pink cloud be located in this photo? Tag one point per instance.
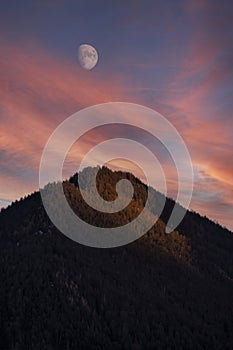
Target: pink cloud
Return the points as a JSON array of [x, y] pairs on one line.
[[38, 91]]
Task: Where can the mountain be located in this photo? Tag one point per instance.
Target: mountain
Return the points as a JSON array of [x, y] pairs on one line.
[[163, 291]]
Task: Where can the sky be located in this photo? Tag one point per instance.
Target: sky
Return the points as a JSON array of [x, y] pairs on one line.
[[175, 57]]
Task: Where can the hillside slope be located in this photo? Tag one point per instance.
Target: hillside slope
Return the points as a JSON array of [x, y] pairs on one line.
[[164, 291]]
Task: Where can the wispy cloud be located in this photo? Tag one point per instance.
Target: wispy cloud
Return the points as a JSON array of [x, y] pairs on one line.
[[37, 93], [185, 76]]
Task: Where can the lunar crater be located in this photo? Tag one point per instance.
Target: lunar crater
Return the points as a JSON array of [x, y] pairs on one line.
[[87, 56]]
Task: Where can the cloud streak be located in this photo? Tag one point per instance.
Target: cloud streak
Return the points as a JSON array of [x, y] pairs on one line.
[[39, 90], [37, 93]]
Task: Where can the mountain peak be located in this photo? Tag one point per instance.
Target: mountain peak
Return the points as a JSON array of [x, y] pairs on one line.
[[160, 290]]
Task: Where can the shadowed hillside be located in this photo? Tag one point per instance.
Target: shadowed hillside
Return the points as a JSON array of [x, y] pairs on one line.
[[164, 291]]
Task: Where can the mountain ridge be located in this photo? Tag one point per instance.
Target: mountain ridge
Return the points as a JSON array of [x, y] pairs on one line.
[[163, 291]]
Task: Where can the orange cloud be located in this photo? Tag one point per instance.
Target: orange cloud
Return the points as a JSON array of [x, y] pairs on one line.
[[38, 92]]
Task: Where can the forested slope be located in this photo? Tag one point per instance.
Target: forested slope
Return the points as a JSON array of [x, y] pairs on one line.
[[164, 291]]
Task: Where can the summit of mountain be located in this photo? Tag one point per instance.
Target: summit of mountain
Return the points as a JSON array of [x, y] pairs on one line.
[[163, 291]]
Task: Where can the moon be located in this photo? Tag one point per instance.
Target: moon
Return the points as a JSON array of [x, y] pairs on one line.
[[87, 56]]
